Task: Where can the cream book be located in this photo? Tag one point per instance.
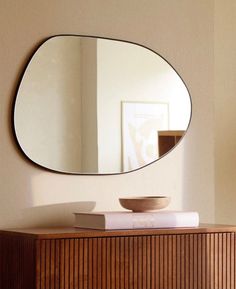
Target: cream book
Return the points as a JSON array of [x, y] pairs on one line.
[[131, 220]]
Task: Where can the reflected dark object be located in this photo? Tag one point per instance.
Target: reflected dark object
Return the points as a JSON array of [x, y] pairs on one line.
[[167, 140]]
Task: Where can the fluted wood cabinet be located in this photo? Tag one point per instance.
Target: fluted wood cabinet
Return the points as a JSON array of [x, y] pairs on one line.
[[67, 258]]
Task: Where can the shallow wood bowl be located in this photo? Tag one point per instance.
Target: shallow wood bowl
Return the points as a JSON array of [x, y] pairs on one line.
[[145, 203]]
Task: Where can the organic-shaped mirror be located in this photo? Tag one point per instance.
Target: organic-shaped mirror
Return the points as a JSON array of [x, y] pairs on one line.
[[88, 105]]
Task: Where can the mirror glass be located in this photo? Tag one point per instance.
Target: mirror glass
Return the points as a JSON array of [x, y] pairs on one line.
[[88, 105]]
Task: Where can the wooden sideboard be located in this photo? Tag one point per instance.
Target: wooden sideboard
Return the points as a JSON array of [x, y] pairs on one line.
[[68, 258]]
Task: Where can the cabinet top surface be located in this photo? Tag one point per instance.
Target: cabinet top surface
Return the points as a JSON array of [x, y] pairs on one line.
[[70, 232]]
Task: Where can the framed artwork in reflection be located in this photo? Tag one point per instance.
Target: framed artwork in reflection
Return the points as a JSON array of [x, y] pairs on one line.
[[140, 123]]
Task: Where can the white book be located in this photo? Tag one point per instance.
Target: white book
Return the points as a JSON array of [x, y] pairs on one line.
[[131, 220]]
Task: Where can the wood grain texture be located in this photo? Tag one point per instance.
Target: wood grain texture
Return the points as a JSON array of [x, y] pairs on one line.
[[162, 261]]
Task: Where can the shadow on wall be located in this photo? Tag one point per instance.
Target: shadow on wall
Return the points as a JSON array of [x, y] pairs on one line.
[[201, 182], [55, 215]]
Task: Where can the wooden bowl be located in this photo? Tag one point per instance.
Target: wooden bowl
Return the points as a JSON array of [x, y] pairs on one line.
[[143, 204]]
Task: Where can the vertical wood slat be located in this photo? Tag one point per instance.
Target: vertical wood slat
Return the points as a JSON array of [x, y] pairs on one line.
[[81, 259], [216, 261], [104, 263], [195, 261], [182, 262], [224, 264], [66, 263], [220, 268], [174, 262], [42, 264], [113, 262], [178, 259], [85, 264], [153, 262], [187, 263], [140, 263], [212, 261], [71, 255], [232, 260], [61, 265], [108, 263], [38, 265], [117, 262], [51, 276], [122, 262], [144, 263], [47, 264], [191, 261], [76, 263], [148, 256], [157, 260], [57, 264], [135, 263], [165, 261], [161, 261], [201, 261], [99, 263], [90, 264], [170, 262], [207, 261], [228, 261], [95, 265], [127, 262]]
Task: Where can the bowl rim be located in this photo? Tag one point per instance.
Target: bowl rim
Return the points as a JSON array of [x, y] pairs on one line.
[[144, 198]]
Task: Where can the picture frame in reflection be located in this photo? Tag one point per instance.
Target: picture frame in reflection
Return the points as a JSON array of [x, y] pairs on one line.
[[141, 122]]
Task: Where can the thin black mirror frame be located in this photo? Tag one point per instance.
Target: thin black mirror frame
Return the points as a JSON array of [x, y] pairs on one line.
[[87, 174]]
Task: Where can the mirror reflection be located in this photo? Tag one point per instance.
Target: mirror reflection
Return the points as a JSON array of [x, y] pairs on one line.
[[88, 105]]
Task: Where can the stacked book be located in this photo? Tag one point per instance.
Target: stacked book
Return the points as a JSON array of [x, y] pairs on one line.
[[133, 220]]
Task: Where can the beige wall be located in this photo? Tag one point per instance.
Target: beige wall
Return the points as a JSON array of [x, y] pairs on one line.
[[181, 31], [225, 111]]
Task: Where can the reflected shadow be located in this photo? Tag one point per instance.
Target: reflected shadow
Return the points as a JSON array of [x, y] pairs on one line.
[[56, 214]]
